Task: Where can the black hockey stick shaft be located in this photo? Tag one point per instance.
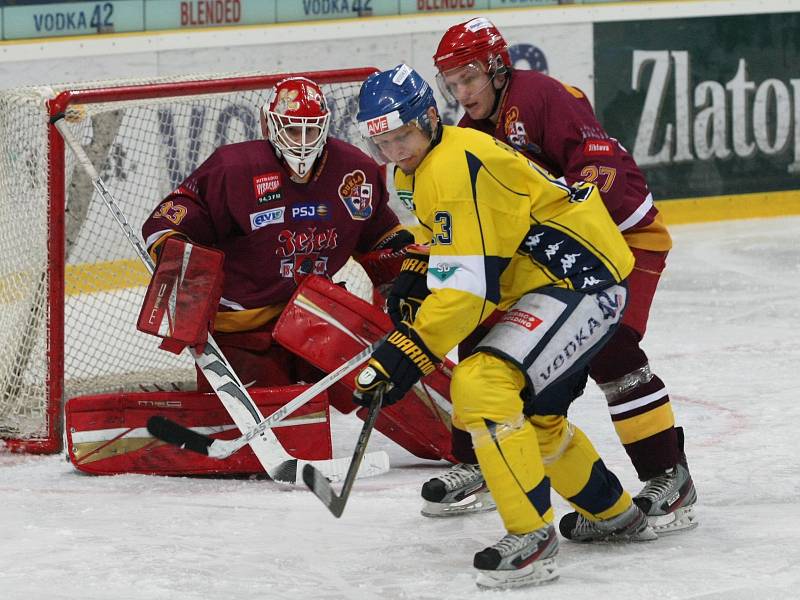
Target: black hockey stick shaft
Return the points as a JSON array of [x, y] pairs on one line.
[[322, 487]]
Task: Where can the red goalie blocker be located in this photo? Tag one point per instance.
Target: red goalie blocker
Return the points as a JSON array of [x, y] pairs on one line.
[[183, 295], [327, 325], [107, 433]]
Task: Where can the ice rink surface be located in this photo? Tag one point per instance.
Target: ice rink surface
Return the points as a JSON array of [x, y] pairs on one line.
[[723, 336]]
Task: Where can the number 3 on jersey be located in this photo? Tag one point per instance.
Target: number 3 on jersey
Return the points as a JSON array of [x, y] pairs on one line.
[[443, 228]]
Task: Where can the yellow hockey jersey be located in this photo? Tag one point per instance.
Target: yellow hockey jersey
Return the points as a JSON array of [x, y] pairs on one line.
[[501, 227]]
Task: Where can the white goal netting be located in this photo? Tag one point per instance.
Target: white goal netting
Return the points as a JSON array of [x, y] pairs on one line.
[[144, 137]]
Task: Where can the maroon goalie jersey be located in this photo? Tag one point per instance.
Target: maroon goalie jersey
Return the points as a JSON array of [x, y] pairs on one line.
[[272, 230], [554, 125]]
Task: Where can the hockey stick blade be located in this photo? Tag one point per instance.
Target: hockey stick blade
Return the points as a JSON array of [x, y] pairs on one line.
[[321, 485], [178, 435], [373, 463]]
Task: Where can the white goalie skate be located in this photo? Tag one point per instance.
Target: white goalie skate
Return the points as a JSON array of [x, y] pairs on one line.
[[668, 501], [458, 491]]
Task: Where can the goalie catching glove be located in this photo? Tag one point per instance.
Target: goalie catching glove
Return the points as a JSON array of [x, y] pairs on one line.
[[411, 287], [396, 365]]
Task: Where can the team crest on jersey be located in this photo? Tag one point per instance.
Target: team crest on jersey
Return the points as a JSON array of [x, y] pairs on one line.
[[407, 198], [356, 194], [267, 187], [514, 128], [515, 133]]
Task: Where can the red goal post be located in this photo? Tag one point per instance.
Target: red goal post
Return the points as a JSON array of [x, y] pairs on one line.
[[70, 285]]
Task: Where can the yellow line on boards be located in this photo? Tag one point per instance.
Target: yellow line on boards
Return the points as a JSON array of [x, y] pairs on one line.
[[724, 208], [104, 277]]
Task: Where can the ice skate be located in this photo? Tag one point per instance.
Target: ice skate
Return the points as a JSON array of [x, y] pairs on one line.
[[519, 560], [458, 491], [668, 501], [630, 526]]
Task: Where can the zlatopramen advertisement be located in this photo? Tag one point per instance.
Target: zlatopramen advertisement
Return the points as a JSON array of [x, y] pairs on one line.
[[707, 106]]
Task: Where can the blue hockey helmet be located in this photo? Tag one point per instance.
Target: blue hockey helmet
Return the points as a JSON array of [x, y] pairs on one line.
[[390, 99]]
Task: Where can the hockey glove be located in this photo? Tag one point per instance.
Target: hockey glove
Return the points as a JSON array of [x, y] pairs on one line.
[[396, 365], [410, 288]]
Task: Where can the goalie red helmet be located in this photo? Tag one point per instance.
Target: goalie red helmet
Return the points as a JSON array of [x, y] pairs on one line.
[[297, 118], [474, 40]]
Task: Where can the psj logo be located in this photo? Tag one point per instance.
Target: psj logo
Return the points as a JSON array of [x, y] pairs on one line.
[[310, 211]]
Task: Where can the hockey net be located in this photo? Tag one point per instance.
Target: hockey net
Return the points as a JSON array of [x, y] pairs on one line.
[[70, 284]]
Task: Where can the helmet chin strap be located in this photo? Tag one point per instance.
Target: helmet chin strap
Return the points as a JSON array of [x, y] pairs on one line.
[[436, 136], [498, 91]]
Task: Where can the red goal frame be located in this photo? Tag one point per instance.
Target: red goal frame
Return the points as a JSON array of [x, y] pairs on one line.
[[56, 190]]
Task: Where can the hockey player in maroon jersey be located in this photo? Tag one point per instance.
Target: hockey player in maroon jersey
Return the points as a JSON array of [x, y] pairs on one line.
[[554, 125], [296, 204]]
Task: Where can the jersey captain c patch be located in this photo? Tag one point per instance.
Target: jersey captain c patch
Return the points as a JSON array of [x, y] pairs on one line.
[[356, 194]]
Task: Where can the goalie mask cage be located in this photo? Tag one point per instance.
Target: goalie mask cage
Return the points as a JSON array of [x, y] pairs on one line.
[[70, 284]]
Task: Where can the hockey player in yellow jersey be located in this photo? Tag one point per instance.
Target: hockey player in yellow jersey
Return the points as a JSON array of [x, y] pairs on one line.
[[503, 237]]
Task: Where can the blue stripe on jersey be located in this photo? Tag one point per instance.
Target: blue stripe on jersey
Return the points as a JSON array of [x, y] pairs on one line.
[[566, 258], [494, 267]]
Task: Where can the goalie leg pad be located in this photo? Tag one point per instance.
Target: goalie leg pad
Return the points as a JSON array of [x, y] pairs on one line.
[[107, 434]]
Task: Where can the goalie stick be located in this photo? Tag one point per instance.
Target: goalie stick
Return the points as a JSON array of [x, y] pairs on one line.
[[278, 463], [171, 432], [321, 486]]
